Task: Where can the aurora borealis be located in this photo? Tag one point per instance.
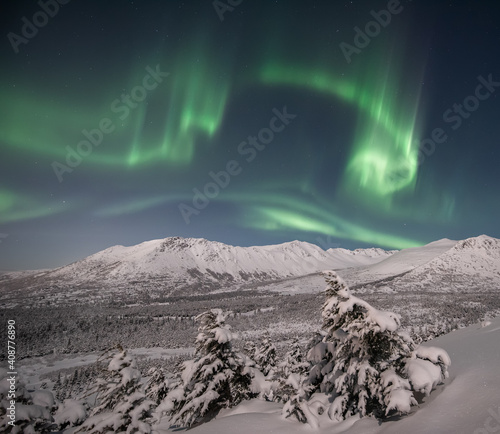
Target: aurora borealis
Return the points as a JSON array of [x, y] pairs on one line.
[[116, 117]]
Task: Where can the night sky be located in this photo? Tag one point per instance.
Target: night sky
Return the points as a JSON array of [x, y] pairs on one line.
[[345, 124]]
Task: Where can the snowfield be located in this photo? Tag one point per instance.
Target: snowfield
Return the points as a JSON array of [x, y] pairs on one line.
[[468, 402]]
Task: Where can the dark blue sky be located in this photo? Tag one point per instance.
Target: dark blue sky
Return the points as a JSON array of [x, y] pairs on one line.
[[345, 124]]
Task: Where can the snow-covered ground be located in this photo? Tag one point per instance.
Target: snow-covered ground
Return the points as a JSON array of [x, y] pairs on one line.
[[468, 403]]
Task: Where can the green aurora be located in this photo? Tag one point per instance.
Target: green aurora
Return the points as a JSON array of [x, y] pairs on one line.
[[381, 168], [347, 168]]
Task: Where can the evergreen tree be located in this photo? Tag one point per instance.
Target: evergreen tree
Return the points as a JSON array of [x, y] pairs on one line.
[[58, 388], [265, 356], [291, 373], [70, 413], [158, 385], [218, 377], [31, 412], [364, 362], [121, 405], [76, 383], [249, 349], [370, 355]]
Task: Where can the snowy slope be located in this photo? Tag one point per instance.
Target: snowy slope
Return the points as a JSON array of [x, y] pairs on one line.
[[446, 265], [359, 257], [469, 263], [403, 261], [466, 404]]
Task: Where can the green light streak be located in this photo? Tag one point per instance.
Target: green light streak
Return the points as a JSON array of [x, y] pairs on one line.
[[275, 211], [383, 159], [274, 218], [197, 105], [16, 207], [133, 206], [317, 80], [191, 102]]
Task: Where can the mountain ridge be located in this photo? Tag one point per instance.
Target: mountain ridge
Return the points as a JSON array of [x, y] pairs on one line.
[[177, 266]]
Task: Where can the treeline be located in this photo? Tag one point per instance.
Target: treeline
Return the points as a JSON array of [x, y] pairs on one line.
[[84, 328]]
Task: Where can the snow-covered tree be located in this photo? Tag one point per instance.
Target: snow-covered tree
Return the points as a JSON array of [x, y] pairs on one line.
[[291, 373], [31, 411], [121, 404], [158, 385], [249, 349], [369, 357], [218, 377], [265, 356], [321, 356], [70, 413], [364, 362]]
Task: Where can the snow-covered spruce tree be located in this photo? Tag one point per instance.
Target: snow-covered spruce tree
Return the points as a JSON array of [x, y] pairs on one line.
[[369, 357], [291, 373], [31, 412], [218, 377], [265, 356], [249, 349], [121, 405], [364, 362], [158, 385]]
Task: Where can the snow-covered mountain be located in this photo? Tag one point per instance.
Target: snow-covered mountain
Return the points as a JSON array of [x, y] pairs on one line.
[[216, 261], [189, 266], [443, 265], [183, 266]]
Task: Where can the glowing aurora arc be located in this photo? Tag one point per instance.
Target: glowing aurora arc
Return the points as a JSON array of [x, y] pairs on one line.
[[383, 159], [292, 213]]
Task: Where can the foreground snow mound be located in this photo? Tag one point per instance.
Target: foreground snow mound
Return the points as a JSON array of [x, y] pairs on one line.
[[428, 368], [70, 413]]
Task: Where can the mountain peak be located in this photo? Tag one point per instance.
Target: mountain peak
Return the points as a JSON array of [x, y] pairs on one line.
[[481, 242]]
